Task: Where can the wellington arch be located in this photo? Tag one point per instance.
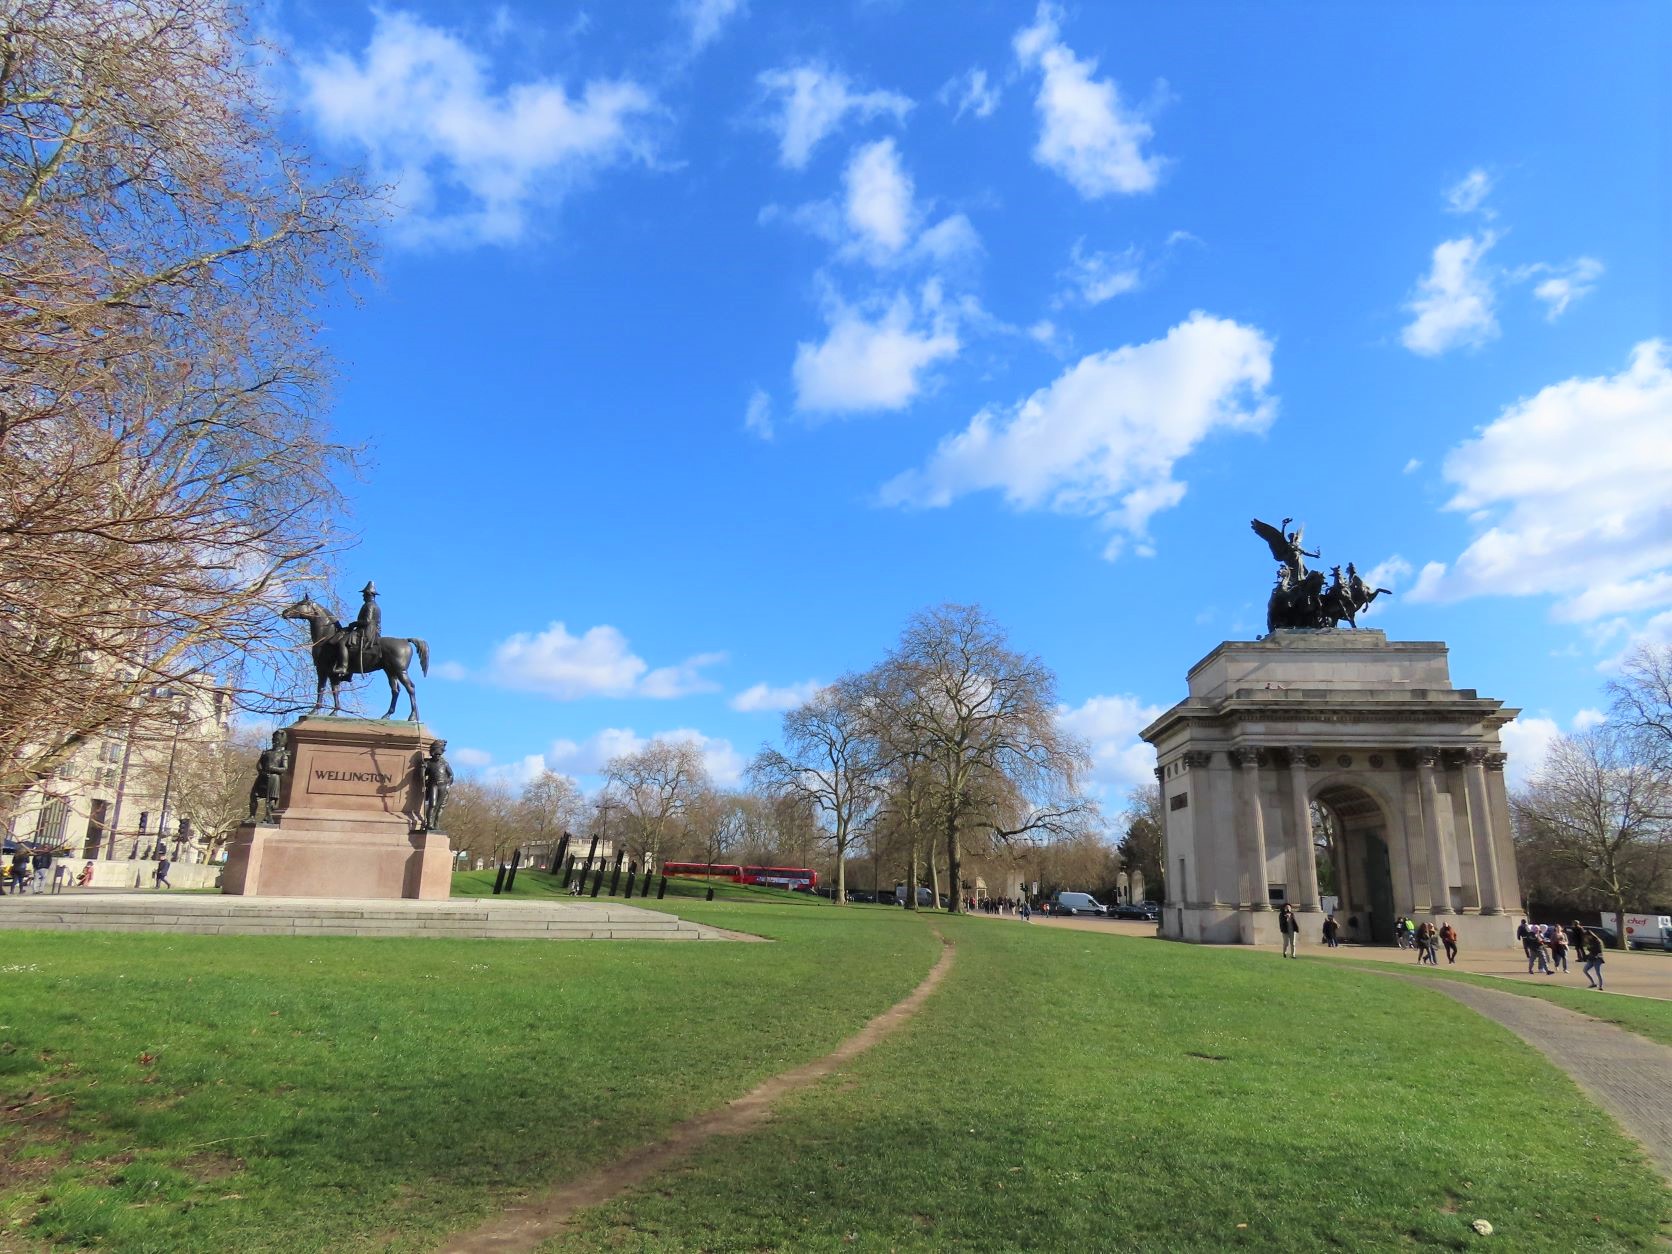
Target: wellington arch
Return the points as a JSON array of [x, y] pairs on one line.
[[1407, 770]]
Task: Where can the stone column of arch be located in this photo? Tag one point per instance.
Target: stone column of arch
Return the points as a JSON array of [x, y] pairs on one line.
[[1480, 828], [1249, 760], [1306, 853], [1428, 757]]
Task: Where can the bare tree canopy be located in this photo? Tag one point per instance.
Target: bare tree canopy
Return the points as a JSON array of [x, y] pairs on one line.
[[164, 472], [830, 761], [1603, 815], [982, 720], [1642, 695], [654, 786]]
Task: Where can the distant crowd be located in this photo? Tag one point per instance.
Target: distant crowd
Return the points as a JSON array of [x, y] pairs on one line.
[[1547, 947]]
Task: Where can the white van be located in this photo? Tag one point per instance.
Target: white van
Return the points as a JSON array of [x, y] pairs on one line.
[[1648, 931], [1077, 903]]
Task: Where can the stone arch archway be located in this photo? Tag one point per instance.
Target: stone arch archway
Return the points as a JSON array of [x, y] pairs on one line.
[[1363, 868]]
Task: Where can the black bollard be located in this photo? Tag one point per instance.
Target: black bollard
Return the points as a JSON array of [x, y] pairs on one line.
[[569, 871], [615, 873], [499, 880], [511, 879], [645, 890], [662, 889], [591, 865], [557, 858], [597, 879], [632, 870], [710, 896]]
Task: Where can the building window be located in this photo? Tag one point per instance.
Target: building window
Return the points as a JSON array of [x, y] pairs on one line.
[[49, 829]]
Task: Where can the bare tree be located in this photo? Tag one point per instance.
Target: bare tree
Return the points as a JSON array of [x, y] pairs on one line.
[[832, 764], [1143, 846], [979, 712], [212, 778], [1642, 695], [164, 474], [1604, 815], [653, 786], [549, 805], [483, 819]]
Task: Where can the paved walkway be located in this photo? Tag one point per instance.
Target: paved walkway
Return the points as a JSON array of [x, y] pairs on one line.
[[1628, 1076], [1641, 973]]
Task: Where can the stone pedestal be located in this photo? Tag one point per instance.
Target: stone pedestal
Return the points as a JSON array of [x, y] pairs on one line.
[[348, 814], [1407, 768]]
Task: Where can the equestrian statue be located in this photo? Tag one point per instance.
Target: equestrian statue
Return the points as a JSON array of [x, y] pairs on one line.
[[343, 650], [1300, 598]]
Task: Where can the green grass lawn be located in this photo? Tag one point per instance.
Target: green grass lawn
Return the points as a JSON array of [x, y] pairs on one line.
[[1067, 1091], [259, 1093], [1643, 1015], [1062, 1090]]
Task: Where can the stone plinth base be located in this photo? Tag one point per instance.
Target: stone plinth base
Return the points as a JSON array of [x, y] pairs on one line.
[[348, 807], [277, 861]]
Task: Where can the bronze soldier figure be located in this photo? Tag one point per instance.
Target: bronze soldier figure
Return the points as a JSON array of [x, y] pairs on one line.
[[438, 780], [367, 631], [269, 772]]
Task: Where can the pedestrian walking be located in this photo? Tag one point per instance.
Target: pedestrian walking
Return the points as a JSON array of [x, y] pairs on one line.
[[42, 863], [1290, 927], [1448, 938], [161, 875], [1332, 932], [1532, 944], [1558, 949], [1592, 952]]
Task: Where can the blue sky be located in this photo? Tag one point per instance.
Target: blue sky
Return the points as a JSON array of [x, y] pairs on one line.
[[712, 339]]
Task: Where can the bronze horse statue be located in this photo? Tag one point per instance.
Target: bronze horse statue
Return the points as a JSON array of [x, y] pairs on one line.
[[391, 654]]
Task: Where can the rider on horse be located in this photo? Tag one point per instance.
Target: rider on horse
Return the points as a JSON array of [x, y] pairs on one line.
[[365, 632]]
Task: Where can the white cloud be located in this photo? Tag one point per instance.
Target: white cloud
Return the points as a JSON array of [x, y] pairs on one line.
[[813, 101], [706, 18], [1571, 488], [597, 663], [1085, 133], [1526, 740], [1110, 725], [1469, 193], [970, 93], [869, 363], [1453, 305], [757, 418], [1103, 439], [1588, 718], [1564, 284], [1044, 331], [451, 670], [470, 758], [681, 680], [879, 197], [470, 161], [1095, 277], [766, 697], [1411, 466], [724, 763]]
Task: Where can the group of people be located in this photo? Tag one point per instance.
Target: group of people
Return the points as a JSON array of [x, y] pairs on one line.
[[1426, 939], [1547, 945], [27, 871]]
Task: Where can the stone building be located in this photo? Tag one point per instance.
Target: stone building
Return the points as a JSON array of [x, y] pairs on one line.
[[114, 799], [1407, 769]]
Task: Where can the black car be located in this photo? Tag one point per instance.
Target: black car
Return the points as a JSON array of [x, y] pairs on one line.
[[1137, 910]]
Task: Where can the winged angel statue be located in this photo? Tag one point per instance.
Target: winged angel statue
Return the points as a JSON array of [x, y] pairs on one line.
[[1301, 598]]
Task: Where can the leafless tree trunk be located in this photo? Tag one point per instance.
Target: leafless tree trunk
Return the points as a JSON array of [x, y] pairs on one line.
[[654, 786]]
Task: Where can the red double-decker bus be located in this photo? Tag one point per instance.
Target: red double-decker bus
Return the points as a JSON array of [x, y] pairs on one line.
[[794, 877]]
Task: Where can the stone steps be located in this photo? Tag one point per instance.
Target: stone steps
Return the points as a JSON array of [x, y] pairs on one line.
[[250, 916]]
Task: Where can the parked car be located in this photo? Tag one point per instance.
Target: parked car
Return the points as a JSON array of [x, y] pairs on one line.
[[1076, 904], [863, 898], [1137, 910]]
